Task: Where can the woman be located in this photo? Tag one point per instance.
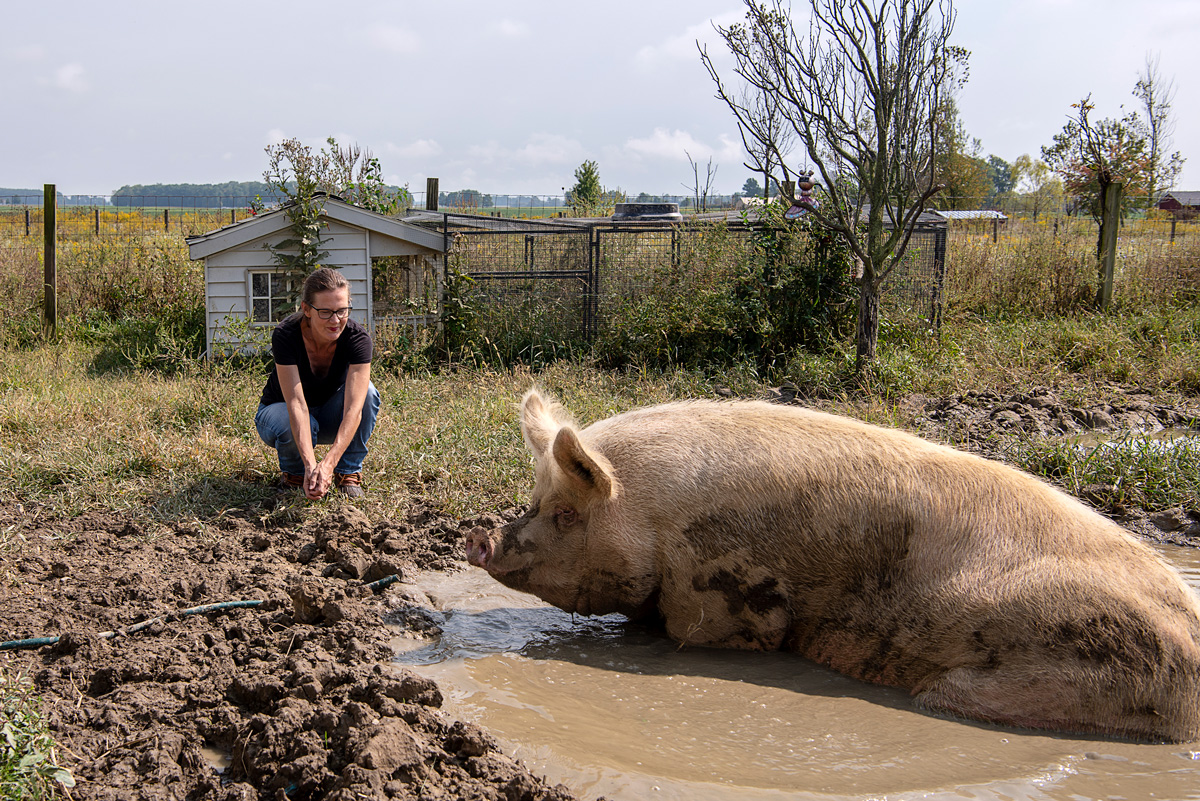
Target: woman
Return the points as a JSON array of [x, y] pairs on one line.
[[320, 392]]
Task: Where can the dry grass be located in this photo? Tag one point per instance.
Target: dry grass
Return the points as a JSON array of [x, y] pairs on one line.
[[1049, 267]]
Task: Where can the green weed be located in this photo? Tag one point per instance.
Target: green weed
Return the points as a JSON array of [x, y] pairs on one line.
[[29, 759], [1133, 470]]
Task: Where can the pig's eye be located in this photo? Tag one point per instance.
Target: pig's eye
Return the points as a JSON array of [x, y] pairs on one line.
[[566, 516]]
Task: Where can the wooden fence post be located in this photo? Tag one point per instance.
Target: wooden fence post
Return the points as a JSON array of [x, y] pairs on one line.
[[431, 194], [49, 237], [1108, 243]]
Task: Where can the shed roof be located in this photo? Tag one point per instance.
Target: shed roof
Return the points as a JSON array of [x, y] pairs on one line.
[[1184, 198], [979, 214], [334, 208]]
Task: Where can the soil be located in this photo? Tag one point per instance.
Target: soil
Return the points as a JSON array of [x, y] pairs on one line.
[[299, 692]]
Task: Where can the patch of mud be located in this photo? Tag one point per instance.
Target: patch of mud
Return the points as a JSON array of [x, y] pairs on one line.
[[1041, 412], [300, 692]]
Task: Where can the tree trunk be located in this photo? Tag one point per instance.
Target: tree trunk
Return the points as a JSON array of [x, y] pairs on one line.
[[1110, 220], [867, 334]]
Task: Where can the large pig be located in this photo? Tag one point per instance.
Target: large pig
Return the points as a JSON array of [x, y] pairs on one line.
[[983, 591]]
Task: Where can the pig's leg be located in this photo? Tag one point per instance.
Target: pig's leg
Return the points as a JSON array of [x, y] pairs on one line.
[[1064, 697], [995, 697], [724, 606]]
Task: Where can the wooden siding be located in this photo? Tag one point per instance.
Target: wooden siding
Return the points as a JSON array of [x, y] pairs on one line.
[[355, 237], [227, 275]]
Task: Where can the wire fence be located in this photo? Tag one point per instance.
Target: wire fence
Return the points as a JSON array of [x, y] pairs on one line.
[[573, 280], [578, 280]]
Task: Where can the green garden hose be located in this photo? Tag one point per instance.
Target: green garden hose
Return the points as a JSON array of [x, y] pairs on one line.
[[38, 642]]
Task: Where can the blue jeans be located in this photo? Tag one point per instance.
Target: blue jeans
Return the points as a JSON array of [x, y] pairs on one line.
[[275, 428]]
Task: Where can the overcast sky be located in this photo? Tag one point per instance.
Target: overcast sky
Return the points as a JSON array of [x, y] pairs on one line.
[[501, 97]]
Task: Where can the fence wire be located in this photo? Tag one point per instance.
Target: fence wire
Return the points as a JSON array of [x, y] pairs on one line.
[[560, 283]]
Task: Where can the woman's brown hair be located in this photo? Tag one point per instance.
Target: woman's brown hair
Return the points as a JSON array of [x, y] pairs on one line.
[[322, 279]]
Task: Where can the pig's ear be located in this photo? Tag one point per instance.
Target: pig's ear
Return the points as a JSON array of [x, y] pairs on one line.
[[587, 471], [539, 423]]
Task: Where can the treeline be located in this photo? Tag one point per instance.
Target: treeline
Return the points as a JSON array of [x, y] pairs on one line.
[[34, 197], [230, 194]]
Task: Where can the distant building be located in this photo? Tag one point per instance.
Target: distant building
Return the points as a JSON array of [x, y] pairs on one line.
[[1180, 203], [748, 203], [981, 214]]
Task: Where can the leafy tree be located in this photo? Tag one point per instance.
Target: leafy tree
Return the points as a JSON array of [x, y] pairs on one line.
[[957, 164], [1106, 165], [1040, 189], [294, 171], [1000, 172], [231, 194], [305, 178], [860, 91], [1096, 157], [585, 196], [466, 199], [1158, 126], [751, 188]]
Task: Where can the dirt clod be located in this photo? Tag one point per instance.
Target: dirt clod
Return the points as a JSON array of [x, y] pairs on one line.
[[300, 693]]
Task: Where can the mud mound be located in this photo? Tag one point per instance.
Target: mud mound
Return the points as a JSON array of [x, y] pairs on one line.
[[294, 698]]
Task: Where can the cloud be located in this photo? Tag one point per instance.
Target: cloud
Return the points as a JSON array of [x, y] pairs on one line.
[[677, 145], [510, 29], [487, 152], [540, 148], [422, 148], [546, 148], [275, 136], [682, 47], [71, 78], [29, 53], [394, 39]]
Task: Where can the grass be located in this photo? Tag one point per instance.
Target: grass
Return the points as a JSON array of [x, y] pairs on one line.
[[1132, 471], [183, 446], [29, 766]]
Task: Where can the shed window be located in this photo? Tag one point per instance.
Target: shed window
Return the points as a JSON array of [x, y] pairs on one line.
[[270, 297]]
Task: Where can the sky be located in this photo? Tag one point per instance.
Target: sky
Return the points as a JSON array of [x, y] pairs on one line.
[[506, 98]]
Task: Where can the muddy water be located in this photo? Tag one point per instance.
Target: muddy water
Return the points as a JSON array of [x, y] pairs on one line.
[[610, 709]]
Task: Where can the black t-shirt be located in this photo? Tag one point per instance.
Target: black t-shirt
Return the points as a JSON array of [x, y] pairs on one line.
[[287, 346]]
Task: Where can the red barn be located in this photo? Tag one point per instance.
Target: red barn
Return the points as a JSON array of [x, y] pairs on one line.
[[1181, 204]]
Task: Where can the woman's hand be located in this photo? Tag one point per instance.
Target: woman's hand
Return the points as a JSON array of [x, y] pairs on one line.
[[318, 479]]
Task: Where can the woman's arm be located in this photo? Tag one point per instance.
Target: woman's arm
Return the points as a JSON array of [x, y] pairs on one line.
[[358, 381], [318, 480], [298, 416]]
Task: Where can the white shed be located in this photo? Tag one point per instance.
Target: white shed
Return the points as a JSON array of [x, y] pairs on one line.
[[242, 283]]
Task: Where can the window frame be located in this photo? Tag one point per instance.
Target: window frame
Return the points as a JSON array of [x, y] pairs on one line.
[[272, 299]]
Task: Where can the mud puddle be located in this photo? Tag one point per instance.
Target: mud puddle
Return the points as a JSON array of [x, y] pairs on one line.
[[610, 709]]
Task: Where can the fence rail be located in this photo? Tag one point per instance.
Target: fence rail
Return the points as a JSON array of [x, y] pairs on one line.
[[569, 279]]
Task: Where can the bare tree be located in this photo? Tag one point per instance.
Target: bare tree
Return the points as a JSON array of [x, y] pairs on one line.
[[701, 190], [860, 91], [1157, 95], [765, 134]]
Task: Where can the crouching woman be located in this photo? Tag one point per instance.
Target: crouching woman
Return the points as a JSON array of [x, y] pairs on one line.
[[320, 392]]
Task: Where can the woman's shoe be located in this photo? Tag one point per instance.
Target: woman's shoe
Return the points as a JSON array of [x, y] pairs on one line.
[[349, 484]]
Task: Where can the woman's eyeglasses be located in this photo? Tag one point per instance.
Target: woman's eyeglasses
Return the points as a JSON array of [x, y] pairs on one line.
[[326, 314]]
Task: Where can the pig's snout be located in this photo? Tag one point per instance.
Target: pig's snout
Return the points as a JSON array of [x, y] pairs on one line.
[[479, 547]]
